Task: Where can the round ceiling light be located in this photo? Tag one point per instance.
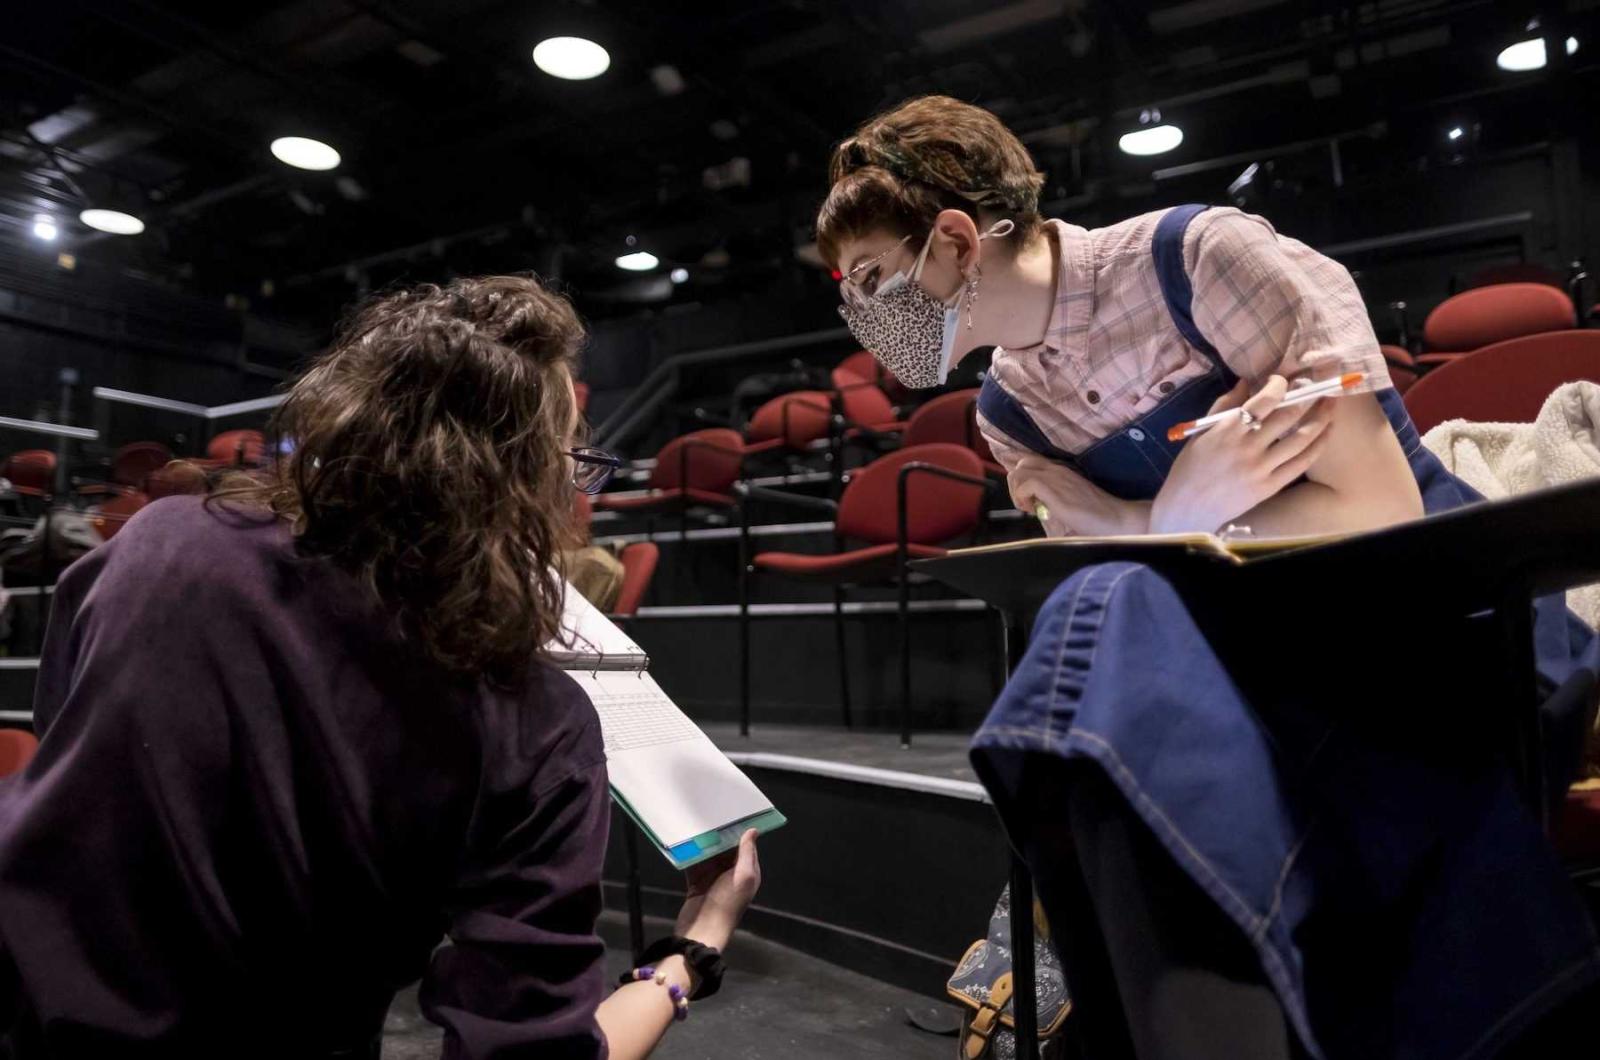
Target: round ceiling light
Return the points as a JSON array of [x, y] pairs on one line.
[[571, 58], [1528, 55], [304, 153], [680, 275], [113, 221], [638, 261], [44, 227], [1151, 140]]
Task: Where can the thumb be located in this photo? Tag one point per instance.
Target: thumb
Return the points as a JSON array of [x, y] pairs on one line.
[[749, 864], [1233, 398]]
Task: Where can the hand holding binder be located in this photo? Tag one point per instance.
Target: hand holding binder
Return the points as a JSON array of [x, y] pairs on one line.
[[684, 793]]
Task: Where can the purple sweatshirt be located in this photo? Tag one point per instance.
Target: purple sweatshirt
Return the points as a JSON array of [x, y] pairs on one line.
[[255, 813]]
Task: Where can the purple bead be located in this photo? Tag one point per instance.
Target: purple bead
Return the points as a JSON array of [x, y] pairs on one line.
[[675, 992], [644, 973]]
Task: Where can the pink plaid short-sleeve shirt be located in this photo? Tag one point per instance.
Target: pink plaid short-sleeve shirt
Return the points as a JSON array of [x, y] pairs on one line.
[[1111, 352]]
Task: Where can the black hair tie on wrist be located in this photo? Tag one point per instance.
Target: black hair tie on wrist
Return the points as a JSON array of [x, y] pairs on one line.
[[705, 962]]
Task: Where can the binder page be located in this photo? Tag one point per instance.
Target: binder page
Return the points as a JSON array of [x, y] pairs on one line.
[[589, 638], [669, 772]]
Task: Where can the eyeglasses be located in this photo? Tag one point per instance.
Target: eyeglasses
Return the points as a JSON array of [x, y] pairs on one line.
[[592, 469], [855, 292]]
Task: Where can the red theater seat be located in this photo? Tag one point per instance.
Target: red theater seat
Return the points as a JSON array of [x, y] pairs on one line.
[[638, 570], [1504, 383], [1403, 370], [902, 506], [789, 421], [109, 516], [134, 462], [952, 418], [32, 472], [1487, 315], [864, 366], [867, 409], [178, 477], [873, 563], [242, 448], [697, 469], [17, 747]]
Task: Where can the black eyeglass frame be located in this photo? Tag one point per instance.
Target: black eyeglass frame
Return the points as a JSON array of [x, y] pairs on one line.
[[593, 458]]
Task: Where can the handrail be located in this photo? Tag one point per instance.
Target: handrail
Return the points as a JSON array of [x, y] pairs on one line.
[[149, 401], [55, 430], [188, 408], [216, 412], [661, 385]]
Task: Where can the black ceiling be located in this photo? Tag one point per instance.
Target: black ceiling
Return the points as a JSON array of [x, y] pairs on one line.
[[460, 155]]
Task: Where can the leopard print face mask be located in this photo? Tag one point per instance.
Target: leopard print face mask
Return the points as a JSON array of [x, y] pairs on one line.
[[912, 333]]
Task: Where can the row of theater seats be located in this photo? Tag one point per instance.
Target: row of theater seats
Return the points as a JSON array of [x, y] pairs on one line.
[[139, 473], [1479, 318], [935, 485]]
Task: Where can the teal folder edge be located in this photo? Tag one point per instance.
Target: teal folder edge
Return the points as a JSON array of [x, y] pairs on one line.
[[707, 845]]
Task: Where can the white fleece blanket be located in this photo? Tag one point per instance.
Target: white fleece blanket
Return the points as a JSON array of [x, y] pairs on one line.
[[1502, 459]]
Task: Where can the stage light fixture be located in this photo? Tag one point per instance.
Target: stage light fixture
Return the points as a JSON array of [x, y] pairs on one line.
[[680, 275], [114, 222], [1528, 55], [1151, 140], [638, 261], [303, 152], [1152, 137], [44, 227], [571, 58]]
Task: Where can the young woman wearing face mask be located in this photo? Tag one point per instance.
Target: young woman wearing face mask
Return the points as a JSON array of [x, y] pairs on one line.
[[1161, 767]]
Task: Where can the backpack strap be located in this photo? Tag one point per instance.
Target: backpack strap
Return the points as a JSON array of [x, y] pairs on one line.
[[1000, 408], [1167, 248]]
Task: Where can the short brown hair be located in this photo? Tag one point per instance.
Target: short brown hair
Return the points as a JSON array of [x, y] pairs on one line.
[[932, 153], [430, 461]]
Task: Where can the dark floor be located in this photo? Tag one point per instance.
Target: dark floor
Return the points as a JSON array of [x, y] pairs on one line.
[[931, 754], [775, 1004]]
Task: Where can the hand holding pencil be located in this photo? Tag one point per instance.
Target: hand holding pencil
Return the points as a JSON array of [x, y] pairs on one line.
[[1256, 445], [1298, 395]]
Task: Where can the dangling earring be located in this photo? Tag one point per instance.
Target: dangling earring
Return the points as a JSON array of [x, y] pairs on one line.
[[972, 293]]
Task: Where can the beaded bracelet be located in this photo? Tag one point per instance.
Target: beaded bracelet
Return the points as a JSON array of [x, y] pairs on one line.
[[680, 1004]]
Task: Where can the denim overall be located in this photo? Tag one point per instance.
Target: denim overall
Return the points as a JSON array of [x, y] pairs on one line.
[[1401, 899]]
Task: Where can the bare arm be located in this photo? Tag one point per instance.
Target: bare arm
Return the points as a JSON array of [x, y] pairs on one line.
[[1274, 308], [634, 1018], [1361, 480]]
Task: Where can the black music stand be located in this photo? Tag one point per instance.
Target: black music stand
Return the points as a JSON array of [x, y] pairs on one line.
[[1484, 558]]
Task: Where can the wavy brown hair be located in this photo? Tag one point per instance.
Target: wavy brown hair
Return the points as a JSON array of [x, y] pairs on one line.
[[931, 153], [430, 461]]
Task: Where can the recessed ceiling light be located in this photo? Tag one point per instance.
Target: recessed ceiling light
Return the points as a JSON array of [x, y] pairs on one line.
[[1151, 140], [1528, 55], [680, 275], [304, 153], [1456, 133], [571, 58], [44, 227], [114, 221], [638, 261]]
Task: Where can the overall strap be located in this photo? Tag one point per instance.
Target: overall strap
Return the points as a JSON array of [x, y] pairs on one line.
[[1000, 408], [1167, 248]]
